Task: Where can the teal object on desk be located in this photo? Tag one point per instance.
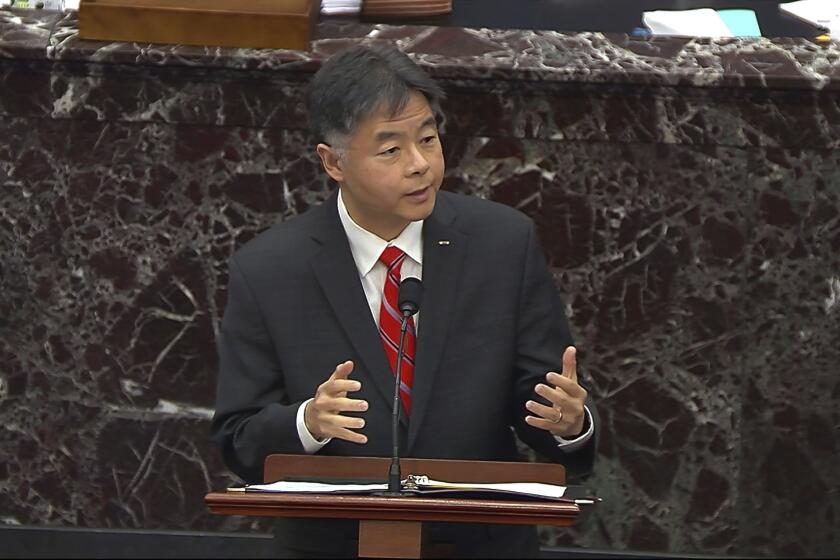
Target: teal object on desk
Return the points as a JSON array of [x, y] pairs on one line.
[[742, 23]]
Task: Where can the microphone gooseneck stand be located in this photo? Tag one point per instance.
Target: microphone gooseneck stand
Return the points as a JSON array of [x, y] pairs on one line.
[[410, 294], [394, 474]]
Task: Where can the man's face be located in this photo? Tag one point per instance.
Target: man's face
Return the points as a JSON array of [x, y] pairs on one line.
[[391, 170]]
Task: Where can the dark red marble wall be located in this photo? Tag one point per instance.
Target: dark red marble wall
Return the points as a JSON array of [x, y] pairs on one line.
[[694, 232]]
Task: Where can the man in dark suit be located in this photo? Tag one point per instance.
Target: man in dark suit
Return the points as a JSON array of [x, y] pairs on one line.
[[306, 344]]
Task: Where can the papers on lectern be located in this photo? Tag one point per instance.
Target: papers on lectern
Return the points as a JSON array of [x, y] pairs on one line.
[[423, 485]]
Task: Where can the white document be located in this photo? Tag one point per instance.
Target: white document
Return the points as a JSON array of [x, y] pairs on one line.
[[417, 484], [340, 7], [823, 13], [539, 489], [315, 487], [704, 22]]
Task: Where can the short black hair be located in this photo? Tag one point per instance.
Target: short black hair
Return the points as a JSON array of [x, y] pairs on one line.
[[353, 84]]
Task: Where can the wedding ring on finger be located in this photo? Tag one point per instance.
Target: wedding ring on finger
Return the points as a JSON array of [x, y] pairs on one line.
[[559, 416]]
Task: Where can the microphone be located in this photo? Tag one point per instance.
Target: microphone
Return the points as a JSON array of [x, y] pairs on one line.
[[408, 301], [410, 295]]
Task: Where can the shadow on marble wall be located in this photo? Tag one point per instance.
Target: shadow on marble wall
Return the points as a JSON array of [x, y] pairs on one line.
[[699, 267]]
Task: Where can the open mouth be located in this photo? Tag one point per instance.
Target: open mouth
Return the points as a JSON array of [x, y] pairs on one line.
[[419, 193]]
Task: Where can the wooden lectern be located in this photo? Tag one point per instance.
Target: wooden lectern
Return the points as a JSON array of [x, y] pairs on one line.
[[393, 527]]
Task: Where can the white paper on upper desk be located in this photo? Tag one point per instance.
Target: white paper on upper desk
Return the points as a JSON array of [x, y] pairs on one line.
[[823, 13], [704, 22], [316, 487], [340, 7]]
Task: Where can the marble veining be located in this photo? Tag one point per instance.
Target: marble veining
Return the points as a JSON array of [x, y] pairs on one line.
[[480, 53]]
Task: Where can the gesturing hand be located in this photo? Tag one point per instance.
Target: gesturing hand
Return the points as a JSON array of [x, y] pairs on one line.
[[322, 414], [565, 416]]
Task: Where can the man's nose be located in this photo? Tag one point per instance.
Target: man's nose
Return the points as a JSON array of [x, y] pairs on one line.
[[419, 162]]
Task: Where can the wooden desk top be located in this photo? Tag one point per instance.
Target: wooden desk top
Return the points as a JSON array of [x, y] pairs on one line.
[[382, 508]]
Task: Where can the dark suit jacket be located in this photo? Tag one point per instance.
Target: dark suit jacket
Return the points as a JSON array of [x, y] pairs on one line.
[[491, 325]]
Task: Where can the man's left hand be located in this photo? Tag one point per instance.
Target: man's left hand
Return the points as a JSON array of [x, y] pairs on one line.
[[565, 416]]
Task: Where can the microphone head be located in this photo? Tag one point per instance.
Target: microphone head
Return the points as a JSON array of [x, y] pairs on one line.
[[410, 296]]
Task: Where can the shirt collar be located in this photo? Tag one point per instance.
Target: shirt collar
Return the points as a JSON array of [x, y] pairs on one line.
[[367, 247]]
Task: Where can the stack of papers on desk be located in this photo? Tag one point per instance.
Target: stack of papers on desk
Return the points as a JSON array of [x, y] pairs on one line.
[[422, 485], [340, 7], [822, 13], [704, 22], [387, 8]]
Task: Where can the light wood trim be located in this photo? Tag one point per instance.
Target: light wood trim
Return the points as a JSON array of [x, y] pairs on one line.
[[397, 509]]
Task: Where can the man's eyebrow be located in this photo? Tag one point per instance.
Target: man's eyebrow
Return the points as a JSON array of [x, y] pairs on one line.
[[389, 134], [386, 135], [427, 123]]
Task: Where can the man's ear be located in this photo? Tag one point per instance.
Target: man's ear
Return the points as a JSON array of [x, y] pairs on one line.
[[331, 162]]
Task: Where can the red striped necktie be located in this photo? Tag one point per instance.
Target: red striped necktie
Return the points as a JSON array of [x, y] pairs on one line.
[[390, 320]]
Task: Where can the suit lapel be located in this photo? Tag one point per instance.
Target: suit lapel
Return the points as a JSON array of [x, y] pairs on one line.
[[444, 250], [338, 276]]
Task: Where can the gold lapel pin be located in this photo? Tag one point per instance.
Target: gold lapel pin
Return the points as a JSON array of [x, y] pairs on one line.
[[443, 242]]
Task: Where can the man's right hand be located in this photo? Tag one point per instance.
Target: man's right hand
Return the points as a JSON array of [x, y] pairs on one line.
[[322, 414]]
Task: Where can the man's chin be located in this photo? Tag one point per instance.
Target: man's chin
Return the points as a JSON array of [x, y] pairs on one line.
[[422, 211]]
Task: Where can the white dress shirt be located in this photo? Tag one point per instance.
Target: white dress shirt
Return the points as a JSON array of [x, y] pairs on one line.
[[366, 248]]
